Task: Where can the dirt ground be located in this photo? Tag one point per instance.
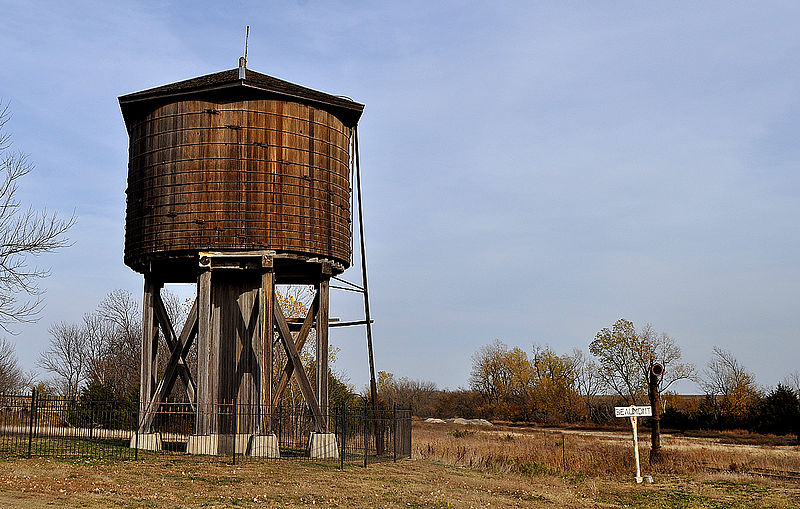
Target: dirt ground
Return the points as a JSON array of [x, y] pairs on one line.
[[173, 481]]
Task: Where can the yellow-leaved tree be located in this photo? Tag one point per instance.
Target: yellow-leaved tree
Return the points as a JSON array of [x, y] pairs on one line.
[[626, 355]]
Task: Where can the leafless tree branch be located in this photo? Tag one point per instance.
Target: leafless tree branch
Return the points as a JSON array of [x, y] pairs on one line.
[[24, 233]]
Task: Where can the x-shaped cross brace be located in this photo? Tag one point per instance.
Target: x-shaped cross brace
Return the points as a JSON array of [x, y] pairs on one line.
[[176, 366], [294, 365]]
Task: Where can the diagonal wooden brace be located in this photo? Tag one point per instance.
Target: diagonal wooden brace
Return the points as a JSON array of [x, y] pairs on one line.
[[299, 373], [299, 343], [247, 357], [169, 335], [177, 356]]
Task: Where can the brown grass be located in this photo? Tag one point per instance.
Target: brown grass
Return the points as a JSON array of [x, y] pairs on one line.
[[452, 467], [532, 450]]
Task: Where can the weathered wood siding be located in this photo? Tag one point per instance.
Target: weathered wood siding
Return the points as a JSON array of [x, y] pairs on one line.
[[243, 175]]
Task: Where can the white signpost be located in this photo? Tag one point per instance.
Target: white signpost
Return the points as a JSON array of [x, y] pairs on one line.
[[634, 412]]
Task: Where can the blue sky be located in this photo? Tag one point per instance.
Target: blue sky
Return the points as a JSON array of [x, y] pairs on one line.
[[533, 170]]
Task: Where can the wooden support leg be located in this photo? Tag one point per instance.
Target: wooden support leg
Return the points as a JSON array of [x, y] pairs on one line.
[[149, 344], [266, 360], [204, 400], [322, 350]]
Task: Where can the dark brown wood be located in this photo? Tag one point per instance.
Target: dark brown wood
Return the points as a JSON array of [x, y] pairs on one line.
[[267, 335], [299, 372], [149, 344], [204, 406], [253, 84], [323, 295], [299, 343], [256, 174], [244, 324]]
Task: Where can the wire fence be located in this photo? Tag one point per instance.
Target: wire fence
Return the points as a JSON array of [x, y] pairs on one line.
[[35, 425]]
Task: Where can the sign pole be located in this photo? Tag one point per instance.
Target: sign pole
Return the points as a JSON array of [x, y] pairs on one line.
[[636, 449], [634, 412]]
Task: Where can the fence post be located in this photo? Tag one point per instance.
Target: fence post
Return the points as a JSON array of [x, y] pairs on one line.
[[136, 429], [32, 416], [365, 433], [343, 428], [394, 431], [235, 425], [92, 410]]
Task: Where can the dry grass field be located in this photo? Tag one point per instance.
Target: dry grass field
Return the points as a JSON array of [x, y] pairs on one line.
[[595, 453], [452, 467]]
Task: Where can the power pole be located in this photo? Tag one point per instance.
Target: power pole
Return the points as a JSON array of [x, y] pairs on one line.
[[656, 370]]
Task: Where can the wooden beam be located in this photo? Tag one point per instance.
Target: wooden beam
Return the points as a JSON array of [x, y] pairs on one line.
[[267, 357], [299, 372], [249, 343], [323, 294], [300, 342], [176, 344], [149, 344], [204, 397], [179, 352]]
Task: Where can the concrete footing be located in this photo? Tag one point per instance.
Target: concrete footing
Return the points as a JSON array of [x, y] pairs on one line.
[[214, 444], [264, 446], [323, 446], [146, 441], [218, 444]]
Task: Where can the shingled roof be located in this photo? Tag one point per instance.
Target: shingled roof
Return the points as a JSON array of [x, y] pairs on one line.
[[349, 110]]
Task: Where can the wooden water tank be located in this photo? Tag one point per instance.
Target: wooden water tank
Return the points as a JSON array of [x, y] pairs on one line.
[[223, 164]]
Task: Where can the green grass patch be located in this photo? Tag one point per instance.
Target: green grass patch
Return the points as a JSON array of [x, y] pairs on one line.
[[461, 433]]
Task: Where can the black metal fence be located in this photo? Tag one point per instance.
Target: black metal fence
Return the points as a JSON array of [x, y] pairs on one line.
[[351, 433]]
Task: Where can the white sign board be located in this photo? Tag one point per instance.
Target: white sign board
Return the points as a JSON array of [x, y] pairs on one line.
[[633, 411]]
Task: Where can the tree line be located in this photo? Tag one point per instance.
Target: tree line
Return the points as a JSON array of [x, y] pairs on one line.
[[541, 385]]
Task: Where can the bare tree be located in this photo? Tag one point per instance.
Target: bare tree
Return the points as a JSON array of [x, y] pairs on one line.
[[731, 387], [122, 314], [23, 233], [588, 381], [418, 395], [12, 378], [66, 357], [724, 373], [105, 348], [96, 333], [792, 381]]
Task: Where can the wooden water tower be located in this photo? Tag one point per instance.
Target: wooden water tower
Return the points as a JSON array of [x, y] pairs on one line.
[[237, 181]]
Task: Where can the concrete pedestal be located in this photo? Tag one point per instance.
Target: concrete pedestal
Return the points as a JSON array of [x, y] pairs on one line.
[[217, 444], [214, 444], [146, 441], [323, 446], [264, 446]]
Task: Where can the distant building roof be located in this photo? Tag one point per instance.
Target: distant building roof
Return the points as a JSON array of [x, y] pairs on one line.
[[349, 111]]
